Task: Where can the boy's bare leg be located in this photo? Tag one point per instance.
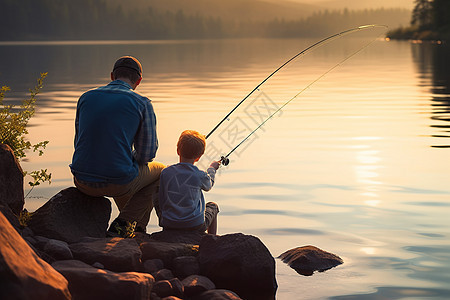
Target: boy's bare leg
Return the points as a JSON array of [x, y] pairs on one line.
[[212, 229]]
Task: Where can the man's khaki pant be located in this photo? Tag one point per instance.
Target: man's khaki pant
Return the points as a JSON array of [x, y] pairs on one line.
[[135, 199]]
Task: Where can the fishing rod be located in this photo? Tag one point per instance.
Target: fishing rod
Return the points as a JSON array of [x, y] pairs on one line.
[[303, 52], [224, 159]]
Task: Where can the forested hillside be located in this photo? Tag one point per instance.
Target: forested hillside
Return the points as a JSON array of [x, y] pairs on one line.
[[102, 20], [430, 20]]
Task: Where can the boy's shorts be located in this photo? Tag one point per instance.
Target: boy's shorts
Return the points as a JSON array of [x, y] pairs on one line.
[[211, 212]]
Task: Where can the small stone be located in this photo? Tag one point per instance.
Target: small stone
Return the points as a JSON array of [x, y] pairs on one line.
[[41, 241], [59, 250], [219, 294], [162, 288], [153, 265], [183, 266], [27, 232], [197, 284], [177, 287], [98, 265], [30, 240], [164, 274]]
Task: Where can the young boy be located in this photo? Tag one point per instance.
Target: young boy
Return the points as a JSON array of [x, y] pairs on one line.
[[181, 201]]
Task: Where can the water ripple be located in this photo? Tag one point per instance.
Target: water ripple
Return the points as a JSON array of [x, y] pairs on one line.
[[410, 190], [392, 293], [267, 212], [293, 231]]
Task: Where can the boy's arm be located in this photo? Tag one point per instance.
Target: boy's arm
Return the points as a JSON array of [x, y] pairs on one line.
[[208, 180]]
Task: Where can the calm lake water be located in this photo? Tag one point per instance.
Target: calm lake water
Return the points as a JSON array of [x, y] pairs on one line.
[[356, 165]]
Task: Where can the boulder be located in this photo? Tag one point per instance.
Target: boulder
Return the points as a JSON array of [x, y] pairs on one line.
[[177, 287], [40, 241], [115, 254], [86, 282], [11, 180], [178, 236], [166, 251], [166, 288], [240, 263], [10, 216], [197, 284], [23, 274], [305, 260], [163, 274], [219, 294], [71, 215], [59, 250], [183, 266], [162, 288], [153, 265]]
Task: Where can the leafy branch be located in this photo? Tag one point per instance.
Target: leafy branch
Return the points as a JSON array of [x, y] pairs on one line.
[[13, 129]]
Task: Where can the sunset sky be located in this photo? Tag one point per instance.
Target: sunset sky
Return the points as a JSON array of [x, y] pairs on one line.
[[357, 3]]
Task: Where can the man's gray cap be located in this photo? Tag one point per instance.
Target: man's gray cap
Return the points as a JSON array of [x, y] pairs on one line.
[[128, 62]]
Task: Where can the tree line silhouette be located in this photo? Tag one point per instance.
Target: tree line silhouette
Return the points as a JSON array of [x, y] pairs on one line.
[[95, 20], [430, 20]]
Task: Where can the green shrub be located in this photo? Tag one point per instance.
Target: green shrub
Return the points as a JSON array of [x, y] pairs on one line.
[[13, 129]]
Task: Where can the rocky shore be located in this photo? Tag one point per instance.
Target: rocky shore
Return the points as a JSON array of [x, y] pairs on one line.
[[61, 252]]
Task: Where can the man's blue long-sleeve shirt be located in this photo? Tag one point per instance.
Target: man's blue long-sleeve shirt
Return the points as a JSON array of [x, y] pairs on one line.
[[110, 122]]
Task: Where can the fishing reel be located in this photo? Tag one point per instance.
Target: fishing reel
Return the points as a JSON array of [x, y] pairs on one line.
[[224, 160]]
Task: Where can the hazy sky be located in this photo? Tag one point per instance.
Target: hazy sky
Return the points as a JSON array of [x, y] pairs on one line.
[[361, 3]]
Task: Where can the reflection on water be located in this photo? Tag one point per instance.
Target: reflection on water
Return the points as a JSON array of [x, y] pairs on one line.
[[357, 165], [441, 90], [435, 59]]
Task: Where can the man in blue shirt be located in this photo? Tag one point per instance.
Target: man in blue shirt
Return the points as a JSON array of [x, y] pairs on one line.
[[115, 144]]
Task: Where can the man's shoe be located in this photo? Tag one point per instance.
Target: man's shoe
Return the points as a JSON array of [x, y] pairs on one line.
[[121, 228]]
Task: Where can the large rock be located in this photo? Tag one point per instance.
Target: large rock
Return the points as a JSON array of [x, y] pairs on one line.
[[178, 236], [240, 263], [305, 260], [115, 254], [167, 252], [71, 215], [86, 282], [10, 216], [23, 275], [11, 180]]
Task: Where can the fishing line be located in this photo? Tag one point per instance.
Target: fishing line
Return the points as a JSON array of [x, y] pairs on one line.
[[224, 159], [301, 53]]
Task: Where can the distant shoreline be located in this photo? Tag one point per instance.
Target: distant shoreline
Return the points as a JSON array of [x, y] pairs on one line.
[[412, 33]]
